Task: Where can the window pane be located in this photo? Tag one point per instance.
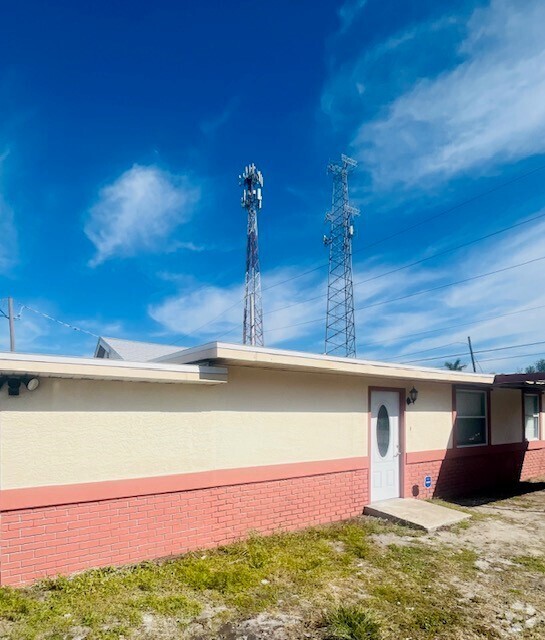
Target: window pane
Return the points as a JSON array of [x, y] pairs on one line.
[[470, 431], [470, 404], [531, 416], [532, 428], [531, 405], [383, 431]]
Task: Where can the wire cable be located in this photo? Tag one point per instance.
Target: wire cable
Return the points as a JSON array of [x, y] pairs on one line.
[[375, 243], [421, 292], [206, 324], [522, 355], [415, 353], [444, 212], [417, 262], [64, 324], [491, 350], [452, 326]]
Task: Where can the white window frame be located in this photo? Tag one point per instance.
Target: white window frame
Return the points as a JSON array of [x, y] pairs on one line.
[[478, 444], [535, 415]]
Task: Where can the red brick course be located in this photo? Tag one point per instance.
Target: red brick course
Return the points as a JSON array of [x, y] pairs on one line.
[[47, 541], [462, 475]]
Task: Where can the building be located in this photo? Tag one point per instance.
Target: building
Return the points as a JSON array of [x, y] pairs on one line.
[[133, 350], [111, 462]]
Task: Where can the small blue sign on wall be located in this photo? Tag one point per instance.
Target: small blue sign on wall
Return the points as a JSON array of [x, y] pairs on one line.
[[427, 482]]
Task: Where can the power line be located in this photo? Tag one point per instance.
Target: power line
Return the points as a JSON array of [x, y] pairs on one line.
[[439, 330], [421, 261], [455, 207], [456, 326], [521, 355], [463, 203], [414, 353], [492, 350], [206, 324], [444, 286], [64, 324], [299, 275], [421, 292], [377, 242]]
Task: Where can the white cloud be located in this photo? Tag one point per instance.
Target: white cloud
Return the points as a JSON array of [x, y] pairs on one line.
[[490, 309], [212, 312], [138, 211], [484, 111], [348, 13], [8, 233], [485, 308]]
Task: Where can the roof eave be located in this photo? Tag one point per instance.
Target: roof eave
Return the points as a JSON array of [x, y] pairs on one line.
[[229, 354], [104, 369]]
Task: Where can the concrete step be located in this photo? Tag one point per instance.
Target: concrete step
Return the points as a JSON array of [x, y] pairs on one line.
[[415, 513]]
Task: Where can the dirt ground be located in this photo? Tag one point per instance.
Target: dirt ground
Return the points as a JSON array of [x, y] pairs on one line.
[[506, 593], [510, 543]]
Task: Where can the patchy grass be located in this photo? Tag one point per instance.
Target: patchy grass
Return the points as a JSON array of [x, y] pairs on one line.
[[366, 589], [411, 596], [351, 623], [535, 564], [247, 577]]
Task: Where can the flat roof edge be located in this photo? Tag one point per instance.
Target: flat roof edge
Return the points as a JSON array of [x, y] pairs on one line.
[[104, 369], [335, 364]]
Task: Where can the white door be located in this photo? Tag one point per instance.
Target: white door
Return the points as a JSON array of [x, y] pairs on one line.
[[385, 454]]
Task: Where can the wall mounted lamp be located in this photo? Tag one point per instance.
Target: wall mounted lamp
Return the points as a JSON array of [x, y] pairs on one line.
[[14, 383], [413, 396]]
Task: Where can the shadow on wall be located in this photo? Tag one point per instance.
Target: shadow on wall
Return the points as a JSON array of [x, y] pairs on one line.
[[464, 472], [246, 391]]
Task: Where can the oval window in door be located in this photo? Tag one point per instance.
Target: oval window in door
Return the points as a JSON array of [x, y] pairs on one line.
[[383, 431]]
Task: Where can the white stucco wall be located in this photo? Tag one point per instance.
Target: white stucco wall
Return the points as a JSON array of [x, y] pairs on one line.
[[75, 431], [71, 431], [429, 420]]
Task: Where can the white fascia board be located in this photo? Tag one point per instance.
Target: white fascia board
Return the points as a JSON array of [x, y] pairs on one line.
[[105, 369], [299, 360]]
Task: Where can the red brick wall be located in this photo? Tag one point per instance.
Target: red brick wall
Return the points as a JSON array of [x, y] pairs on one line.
[[46, 541], [534, 464], [459, 475]]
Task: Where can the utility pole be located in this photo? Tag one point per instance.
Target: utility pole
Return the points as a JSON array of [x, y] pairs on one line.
[[340, 332], [251, 181], [471, 352], [11, 325]]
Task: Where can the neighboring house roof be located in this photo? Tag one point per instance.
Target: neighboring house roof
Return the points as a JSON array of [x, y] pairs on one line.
[[528, 381], [133, 350], [220, 353], [14, 364]]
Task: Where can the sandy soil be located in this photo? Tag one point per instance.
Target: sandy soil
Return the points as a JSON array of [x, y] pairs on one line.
[[508, 597]]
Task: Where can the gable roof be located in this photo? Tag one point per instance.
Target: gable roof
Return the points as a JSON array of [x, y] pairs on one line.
[[133, 350]]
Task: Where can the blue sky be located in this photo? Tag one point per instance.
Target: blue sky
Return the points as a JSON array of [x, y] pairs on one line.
[[124, 126]]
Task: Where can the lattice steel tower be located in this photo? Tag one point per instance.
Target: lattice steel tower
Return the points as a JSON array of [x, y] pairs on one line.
[[251, 182], [340, 333]]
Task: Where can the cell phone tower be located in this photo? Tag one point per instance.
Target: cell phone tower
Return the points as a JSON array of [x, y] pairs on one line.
[[251, 182], [340, 332]]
